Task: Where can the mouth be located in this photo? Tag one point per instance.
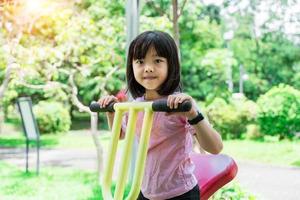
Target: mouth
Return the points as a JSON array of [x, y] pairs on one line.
[[149, 77]]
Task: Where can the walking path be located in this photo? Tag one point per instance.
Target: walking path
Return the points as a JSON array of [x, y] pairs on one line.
[[269, 182], [265, 181]]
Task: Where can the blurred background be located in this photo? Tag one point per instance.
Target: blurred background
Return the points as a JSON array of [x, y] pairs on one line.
[[240, 60]]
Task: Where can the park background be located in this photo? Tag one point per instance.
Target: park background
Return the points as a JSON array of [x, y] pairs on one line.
[[240, 60]]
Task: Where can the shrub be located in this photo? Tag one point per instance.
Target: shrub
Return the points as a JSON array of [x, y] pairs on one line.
[[233, 191], [231, 119], [52, 117], [253, 132], [279, 111]]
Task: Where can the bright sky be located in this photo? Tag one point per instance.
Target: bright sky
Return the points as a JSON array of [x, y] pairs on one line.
[[215, 2]]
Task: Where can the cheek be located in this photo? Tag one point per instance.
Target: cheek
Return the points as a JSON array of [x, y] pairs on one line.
[[136, 73], [165, 72]]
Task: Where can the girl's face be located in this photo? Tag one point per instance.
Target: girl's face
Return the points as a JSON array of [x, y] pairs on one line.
[[151, 71]]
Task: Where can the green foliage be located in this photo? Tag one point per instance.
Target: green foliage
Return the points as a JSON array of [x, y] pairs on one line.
[[279, 112], [201, 44], [277, 52], [296, 78], [2, 63], [231, 119], [233, 191], [196, 32], [86, 40], [253, 132], [215, 69], [52, 117], [263, 57], [156, 23]]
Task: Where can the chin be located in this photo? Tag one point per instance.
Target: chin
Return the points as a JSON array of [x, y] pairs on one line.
[[151, 88]]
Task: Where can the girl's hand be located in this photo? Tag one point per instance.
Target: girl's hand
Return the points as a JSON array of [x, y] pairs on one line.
[[104, 101], [175, 99]]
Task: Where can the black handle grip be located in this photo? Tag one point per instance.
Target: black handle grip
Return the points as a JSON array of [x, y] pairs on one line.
[[95, 107], [157, 106], [161, 106]]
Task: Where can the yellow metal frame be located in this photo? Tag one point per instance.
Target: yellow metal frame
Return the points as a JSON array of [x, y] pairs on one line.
[[133, 109]]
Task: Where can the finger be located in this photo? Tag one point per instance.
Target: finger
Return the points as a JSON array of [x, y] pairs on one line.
[[177, 101], [181, 100], [100, 102], [112, 99], [168, 100], [104, 101], [171, 101], [108, 100]]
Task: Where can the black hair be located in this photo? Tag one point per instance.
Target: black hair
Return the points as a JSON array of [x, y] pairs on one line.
[[165, 46]]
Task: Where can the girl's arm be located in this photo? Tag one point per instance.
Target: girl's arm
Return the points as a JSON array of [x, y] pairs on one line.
[[110, 118], [208, 138], [103, 102]]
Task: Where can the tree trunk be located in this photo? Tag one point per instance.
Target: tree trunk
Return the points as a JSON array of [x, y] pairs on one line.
[[4, 85], [95, 136], [3, 88], [94, 121], [175, 23]]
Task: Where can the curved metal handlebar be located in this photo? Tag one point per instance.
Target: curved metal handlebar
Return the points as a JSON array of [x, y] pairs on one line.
[[157, 106]]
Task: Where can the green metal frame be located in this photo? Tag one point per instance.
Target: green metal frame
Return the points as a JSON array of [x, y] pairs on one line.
[[133, 109]]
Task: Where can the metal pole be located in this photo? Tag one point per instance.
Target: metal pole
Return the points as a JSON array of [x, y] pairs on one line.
[[27, 151], [132, 24], [132, 20], [38, 156]]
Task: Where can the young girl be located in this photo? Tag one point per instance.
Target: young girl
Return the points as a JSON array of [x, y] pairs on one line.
[[153, 72]]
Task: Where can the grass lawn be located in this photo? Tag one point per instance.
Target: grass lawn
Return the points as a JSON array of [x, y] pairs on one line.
[[73, 139], [51, 184], [283, 153]]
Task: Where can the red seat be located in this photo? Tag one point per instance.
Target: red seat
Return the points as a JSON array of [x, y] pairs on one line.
[[213, 172]]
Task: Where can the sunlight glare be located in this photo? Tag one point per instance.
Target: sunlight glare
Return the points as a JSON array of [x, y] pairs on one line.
[[33, 6]]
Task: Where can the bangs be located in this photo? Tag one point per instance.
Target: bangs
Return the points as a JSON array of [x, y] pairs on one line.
[[148, 41]]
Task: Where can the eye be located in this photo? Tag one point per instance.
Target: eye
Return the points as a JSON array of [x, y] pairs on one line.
[[158, 61], [139, 61]]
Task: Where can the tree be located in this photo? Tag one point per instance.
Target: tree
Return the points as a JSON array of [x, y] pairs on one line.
[[61, 55], [261, 26], [163, 9]]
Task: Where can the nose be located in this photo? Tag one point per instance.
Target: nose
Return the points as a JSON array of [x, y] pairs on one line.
[[148, 68]]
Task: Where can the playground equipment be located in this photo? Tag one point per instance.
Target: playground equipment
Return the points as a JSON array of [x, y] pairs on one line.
[[212, 171]]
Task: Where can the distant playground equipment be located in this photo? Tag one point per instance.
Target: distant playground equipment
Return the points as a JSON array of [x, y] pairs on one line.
[[211, 171]]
